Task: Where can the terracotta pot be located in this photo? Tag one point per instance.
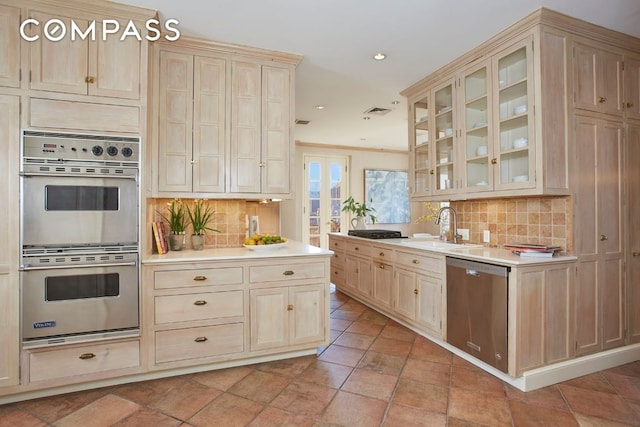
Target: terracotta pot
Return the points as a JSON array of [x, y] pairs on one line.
[[197, 242]]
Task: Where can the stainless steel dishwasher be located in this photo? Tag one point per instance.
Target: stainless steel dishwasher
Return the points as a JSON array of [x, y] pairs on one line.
[[477, 310]]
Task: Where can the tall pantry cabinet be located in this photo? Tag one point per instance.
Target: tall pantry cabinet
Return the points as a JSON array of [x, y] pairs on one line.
[[222, 120]]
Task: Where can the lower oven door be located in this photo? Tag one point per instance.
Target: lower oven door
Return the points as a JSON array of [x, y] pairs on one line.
[[76, 210], [79, 300]]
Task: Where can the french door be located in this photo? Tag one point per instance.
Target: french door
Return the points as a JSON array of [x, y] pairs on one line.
[[326, 186]]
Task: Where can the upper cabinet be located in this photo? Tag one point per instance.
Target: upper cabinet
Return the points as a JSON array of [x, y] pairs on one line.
[[222, 121], [597, 79], [10, 46], [631, 94]]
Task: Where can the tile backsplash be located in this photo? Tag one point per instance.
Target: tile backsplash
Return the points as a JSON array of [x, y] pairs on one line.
[[542, 220]]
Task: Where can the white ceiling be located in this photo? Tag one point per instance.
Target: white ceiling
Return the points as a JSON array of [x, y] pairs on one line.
[[339, 37]]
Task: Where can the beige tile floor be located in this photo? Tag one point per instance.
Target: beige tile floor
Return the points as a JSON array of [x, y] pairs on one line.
[[375, 372]]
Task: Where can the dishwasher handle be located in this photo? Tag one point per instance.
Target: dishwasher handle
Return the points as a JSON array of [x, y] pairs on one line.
[[474, 268], [473, 272]]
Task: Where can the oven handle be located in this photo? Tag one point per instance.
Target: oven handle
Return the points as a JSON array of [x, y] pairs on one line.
[[59, 267], [72, 175]]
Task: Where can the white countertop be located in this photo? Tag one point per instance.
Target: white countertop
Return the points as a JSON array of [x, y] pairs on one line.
[[290, 249], [483, 253]]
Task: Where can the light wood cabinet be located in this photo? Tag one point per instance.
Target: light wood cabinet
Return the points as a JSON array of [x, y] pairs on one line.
[[633, 239], [382, 288], [191, 123], [287, 316], [597, 79], [493, 122], [9, 214], [599, 210], [106, 68], [541, 326], [358, 268], [10, 46], [631, 94], [260, 128]]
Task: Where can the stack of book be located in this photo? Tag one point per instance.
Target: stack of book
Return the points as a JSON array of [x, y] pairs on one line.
[[531, 250]]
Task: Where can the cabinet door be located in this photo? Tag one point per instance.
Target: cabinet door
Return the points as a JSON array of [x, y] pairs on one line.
[[365, 277], [307, 313], [276, 130], [351, 272], [631, 94], [209, 133], [59, 66], [10, 46], [175, 122], [597, 79], [444, 145], [404, 294], [114, 65], [9, 287], [513, 123], [269, 318], [477, 135], [633, 250], [382, 284], [419, 145], [598, 213], [429, 303], [246, 107]]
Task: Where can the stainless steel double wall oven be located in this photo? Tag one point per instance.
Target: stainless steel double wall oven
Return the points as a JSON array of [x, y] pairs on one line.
[[79, 237]]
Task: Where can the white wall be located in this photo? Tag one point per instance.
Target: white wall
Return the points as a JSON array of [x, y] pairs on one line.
[[359, 159]]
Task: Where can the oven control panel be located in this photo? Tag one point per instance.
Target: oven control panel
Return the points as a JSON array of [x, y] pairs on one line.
[[81, 147]]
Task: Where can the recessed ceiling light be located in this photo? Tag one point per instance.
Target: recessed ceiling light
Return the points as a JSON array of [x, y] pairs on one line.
[[395, 102], [320, 107], [363, 139], [366, 118], [379, 56]]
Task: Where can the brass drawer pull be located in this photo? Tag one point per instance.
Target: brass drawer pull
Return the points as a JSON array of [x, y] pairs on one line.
[[602, 100], [635, 254], [86, 356], [89, 79], [415, 261], [357, 248], [200, 302], [415, 291], [201, 339], [288, 273], [290, 307], [381, 266], [200, 278], [603, 238], [381, 254]]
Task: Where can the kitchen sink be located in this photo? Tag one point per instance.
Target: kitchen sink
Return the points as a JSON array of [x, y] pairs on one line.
[[438, 244]]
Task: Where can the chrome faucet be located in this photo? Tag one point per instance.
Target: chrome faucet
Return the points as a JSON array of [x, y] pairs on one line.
[[453, 222]]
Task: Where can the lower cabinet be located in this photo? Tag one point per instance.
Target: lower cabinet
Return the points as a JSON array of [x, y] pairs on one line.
[[199, 342], [382, 284], [287, 316]]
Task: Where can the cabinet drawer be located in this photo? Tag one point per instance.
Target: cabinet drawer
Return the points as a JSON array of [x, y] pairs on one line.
[[211, 305], [90, 359], [337, 275], [284, 272], [194, 343], [337, 244], [359, 249], [420, 262], [198, 277], [338, 259], [382, 254]]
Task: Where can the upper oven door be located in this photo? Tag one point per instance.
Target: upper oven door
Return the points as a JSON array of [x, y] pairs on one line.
[[76, 210]]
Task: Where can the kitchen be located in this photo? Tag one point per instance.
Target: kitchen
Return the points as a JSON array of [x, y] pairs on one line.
[[49, 109]]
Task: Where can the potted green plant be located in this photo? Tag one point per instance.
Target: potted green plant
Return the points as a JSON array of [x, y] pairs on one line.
[[200, 215], [177, 222], [361, 212]]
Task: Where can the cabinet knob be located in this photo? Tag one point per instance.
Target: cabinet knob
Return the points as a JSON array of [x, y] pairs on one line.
[[602, 100], [635, 253], [89, 79], [290, 307], [86, 356], [381, 254], [603, 238], [415, 261], [494, 161], [381, 266], [194, 162], [357, 248], [629, 104], [261, 164], [201, 339], [415, 291], [200, 278], [200, 302], [288, 273], [432, 172]]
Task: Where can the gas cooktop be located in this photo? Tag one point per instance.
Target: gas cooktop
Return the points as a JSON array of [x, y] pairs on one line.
[[376, 234]]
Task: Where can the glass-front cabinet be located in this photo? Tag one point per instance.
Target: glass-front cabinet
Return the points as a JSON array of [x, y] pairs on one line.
[[445, 138], [421, 166]]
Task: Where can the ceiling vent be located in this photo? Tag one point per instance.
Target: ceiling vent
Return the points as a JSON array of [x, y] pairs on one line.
[[378, 111], [302, 122]]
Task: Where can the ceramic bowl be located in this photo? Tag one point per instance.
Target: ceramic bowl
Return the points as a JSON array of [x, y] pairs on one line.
[[448, 132], [520, 143], [482, 150], [519, 110]]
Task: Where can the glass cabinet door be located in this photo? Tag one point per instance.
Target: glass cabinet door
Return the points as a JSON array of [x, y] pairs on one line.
[[444, 148], [421, 141], [476, 129], [515, 125]]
